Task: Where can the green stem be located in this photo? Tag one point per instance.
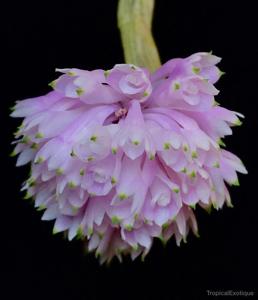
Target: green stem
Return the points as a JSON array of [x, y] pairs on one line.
[[134, 22]]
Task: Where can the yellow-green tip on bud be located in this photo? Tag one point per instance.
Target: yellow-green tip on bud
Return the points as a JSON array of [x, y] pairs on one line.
[[122, 196], [135, 247], [93, 138], [216, 165], [176, 86], [13, 153], [113, 180], [235, 183], [59, 171], [55, 231], [163, 241], [39, 135], [71, 185], [52, 84], [129, 227], [215, 103], [27, 196], [12, 108], [176, 190], [90, 231], [194, 154], [197, 234], [40, 160], [221, 73], [41, 207], [114, 150], [196, 70], [221, 143], [166, 146], [165, 226], [34, 146], [70, 73], [31, 182], [152, 157], [79, 233], [184, 170], [193, 206], [79, 91], [209, 209], [25, 140], [192, 174], [237, 123], [106, 73], [115, 220], [185, 148], [229, 204]]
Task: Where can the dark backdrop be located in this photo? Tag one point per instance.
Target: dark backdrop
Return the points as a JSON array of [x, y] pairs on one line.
[[39, 36]]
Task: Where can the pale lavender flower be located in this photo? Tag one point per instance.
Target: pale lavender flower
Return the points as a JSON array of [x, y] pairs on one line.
[[122, 156]]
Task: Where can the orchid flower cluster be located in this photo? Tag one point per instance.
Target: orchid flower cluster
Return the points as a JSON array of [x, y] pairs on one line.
[[119, 157]]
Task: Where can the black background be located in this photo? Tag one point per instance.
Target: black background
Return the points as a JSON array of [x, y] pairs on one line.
[[39, 36]]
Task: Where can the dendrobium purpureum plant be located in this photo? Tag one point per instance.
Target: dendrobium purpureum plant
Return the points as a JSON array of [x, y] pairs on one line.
[[121, 156]]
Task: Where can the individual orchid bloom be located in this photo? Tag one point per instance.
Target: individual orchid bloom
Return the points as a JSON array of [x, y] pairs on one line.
[[30, 107], [122, 156], [180, 227], [204, 65], [185, 92], [100, 177], [130, 192], [95, 143], [201, 63], [164, 197], [133, 135], [131, 81], [89, 86]]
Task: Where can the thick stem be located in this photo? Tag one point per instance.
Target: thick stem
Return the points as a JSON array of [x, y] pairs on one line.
[[134, 22]]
